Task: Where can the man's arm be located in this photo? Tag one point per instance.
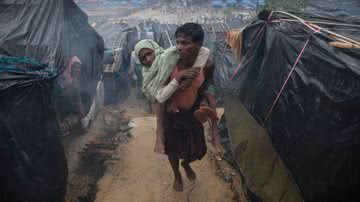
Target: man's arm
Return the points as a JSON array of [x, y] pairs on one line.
[[210, 95]]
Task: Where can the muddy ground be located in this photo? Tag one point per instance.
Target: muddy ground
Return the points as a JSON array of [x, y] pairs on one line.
[[112, 162]]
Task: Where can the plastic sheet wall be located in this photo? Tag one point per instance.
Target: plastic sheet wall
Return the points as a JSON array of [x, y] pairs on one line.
[[306, 95], [33, 165], [52, 31]]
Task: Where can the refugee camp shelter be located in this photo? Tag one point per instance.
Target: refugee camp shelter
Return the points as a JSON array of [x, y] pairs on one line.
[[36, 40], [292, 106], [52, 32]]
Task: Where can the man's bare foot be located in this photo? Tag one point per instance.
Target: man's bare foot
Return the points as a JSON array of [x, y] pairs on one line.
[[178, 184], [190, 174]]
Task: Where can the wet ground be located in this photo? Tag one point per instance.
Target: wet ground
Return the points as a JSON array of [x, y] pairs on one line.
[[114, 163], [110, 162]]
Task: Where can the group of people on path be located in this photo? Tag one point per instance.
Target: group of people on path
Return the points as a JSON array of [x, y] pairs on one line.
[[179, 81]]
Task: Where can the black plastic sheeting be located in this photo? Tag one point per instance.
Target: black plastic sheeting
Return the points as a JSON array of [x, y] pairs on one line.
[[33, 165], [315, 124], [117, 88], [108, 57], [122, 36], [225, 137], [83, 41], [225, 63], [52, 31], [113, 30]]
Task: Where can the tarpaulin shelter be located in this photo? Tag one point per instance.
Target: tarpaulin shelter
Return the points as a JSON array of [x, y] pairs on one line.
[[292, 107], [52, 31], [165, 34], [113, 31], [119, 35], [33, 165]]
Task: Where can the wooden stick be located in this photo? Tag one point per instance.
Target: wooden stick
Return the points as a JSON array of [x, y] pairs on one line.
[[319, 28], [335, 34], [326, 23], [343, 45]]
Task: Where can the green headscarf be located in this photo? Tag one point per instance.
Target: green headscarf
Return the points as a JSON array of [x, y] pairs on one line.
[[163, 65], [160, 70], [150, 44]]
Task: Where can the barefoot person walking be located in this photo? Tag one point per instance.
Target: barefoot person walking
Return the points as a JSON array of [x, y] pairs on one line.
[[180, 79], [183, 134]]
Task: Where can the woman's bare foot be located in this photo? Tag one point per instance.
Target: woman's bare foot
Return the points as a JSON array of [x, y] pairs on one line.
[[178, 184], [190, 174], [200, 116]]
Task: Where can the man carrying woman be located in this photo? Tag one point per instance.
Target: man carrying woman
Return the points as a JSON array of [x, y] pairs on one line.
[[181, 81]]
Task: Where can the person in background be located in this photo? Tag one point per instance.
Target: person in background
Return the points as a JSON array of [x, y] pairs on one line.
[[70, 95], [136, 72], [121, 68]]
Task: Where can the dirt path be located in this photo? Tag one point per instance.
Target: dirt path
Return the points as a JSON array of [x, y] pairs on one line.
[[143, 176]]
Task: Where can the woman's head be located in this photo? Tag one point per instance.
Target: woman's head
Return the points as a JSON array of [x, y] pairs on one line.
[[146, 56], [147, 50]]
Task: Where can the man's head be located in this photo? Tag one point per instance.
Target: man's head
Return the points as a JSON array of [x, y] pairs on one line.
[[189, 39]]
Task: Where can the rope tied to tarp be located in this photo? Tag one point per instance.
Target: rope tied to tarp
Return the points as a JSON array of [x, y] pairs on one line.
[[318, 28], [21, 60], [42, 74], [308, 24], [24, 65], [259, 33], [286, 81]]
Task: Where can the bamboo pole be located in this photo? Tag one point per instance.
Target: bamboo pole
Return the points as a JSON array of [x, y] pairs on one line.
[[320, 28]]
